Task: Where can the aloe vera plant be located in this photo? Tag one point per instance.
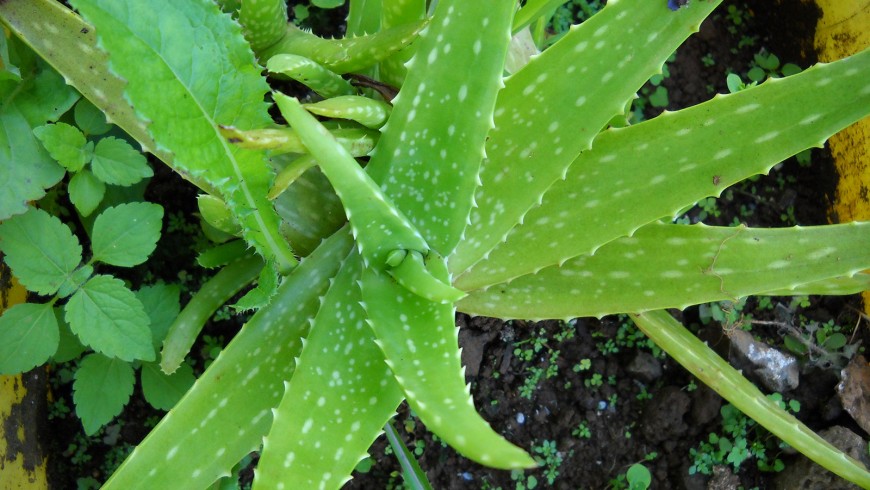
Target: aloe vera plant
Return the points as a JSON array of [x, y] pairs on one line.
[[508, 197]]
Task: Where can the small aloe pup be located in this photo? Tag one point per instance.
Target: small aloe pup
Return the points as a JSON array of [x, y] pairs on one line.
[[504, 189]]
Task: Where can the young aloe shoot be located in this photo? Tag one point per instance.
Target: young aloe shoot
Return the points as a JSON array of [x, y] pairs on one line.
[[386, 239]]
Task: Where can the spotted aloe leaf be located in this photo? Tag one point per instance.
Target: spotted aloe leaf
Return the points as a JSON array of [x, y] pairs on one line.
[[385, 238], [264, 22], [420, 342], [675, 266], [184, 94], [358, 141], [645, 172], [551, 110], [395, 13], [715, 372], [324, 82], [228, 411], [427, 159], [345, 55], [338, 400]]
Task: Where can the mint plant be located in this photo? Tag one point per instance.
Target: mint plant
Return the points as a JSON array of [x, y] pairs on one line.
[[508, 197]]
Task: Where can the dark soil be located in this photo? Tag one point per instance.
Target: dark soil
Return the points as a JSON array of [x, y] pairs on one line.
[[645, 408]]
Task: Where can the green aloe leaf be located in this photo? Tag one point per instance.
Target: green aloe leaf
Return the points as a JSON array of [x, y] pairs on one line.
[[86, 192], [185, 328], [322, 81], [110, 319], [101, 388], [351, 54], [656, 168], [264, 22], [162, 390], [368, 112], [125, 235], [66, 144], [703, 362], [395, 13], [199, 89], [116, 162], [427, 158], [378, 228], [41, 251], [420, 343], [835, 286], [239, 389], [28, 337], [554, 107], [341, 372], [675, 266]]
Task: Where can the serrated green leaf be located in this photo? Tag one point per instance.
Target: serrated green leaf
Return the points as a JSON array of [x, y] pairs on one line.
[[28, 337], [69, 347], [109, 318], [89, 119], [327, 4], [674, 266], [101, 388], [64, 143], [320, 385], [86, 192], [419, 339], [238, 390], [116, 162], [214, 293], [550, 111], [703, 362], [163, 391], [26, 169], [41, 251], [75, 280], [217, 83], [260, 296], [431, 178], [654, 169], [126, 234], [346, 55], [162, 304]]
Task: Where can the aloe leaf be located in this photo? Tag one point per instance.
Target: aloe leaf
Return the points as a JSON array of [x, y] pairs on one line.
[[427, 158], [532, 10], [310, 210], [71, 39], [198, 89], [227, 412], [835, 286], [364, 16], [368, 112], [700, 360], [420, 343], [358, 141], [352, 54], [412, 474], [340, 374], [675, 266], [636, 175], [264, 22], [214, 293], [307, 72], [551, 110], [395, 13]]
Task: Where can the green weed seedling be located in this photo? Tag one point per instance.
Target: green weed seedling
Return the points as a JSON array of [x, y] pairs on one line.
[[513, 197], [741, 439]]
